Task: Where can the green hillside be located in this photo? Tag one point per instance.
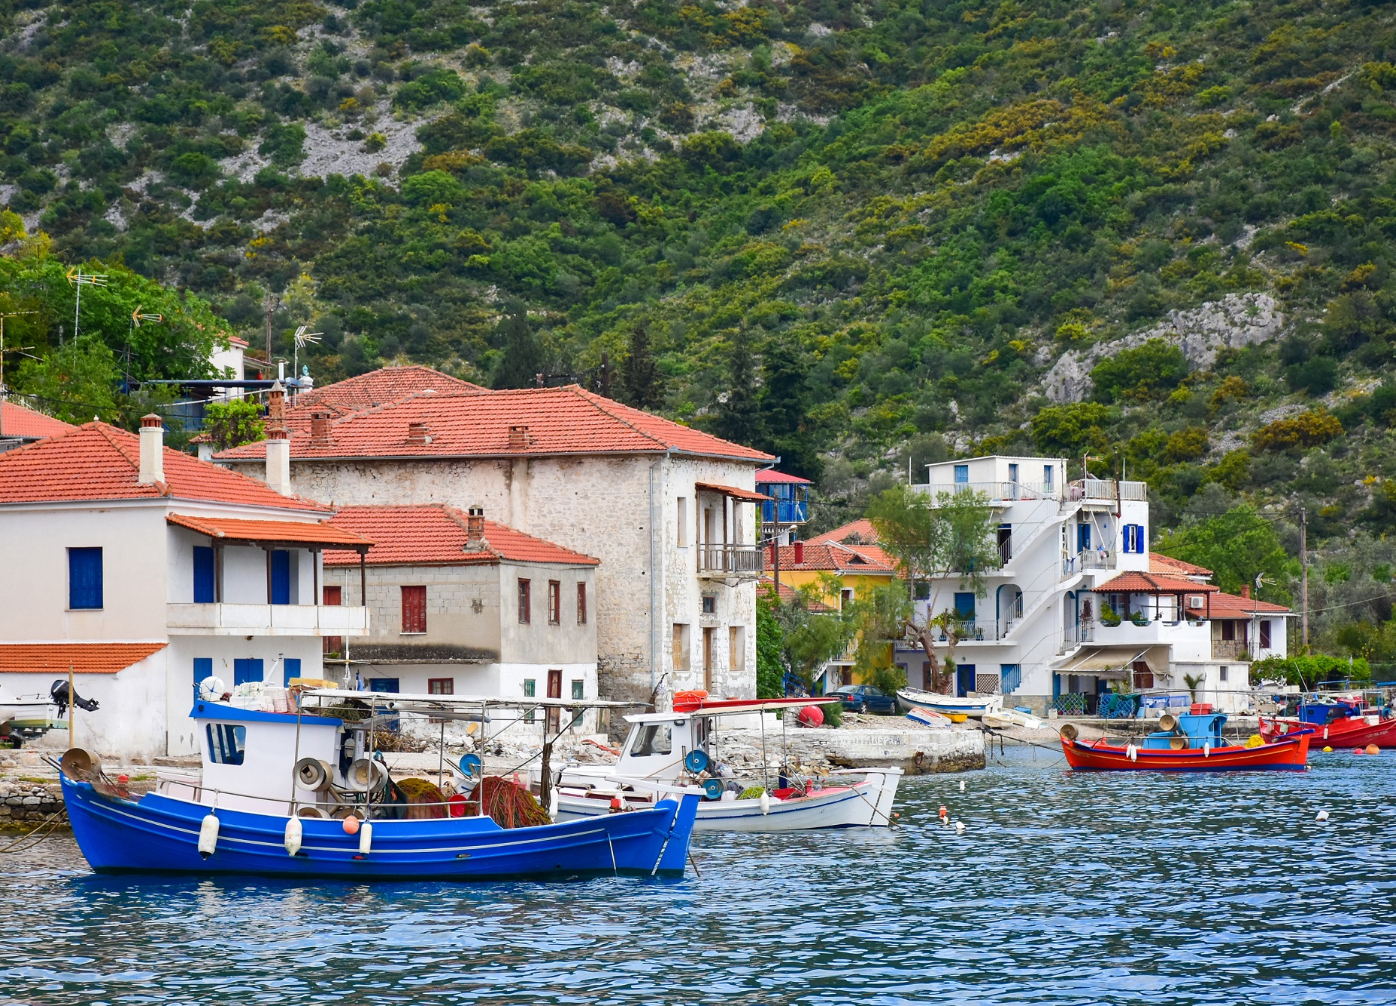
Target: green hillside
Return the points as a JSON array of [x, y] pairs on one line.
[[860, 235]]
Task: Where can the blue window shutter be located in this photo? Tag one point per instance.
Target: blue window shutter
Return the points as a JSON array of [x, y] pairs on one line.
[[203, 575], [280, 577], [203, 668], [84, 578], [964, 604], [1083, 537], [1140, 544], [292, 667], [961, 474], [247, 669]]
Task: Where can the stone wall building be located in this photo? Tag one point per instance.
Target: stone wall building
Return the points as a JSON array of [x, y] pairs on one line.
[[670, 511]]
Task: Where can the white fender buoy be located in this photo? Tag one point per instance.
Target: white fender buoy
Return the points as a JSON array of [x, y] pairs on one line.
[[1206, 750], [1325, 733], [208, 835], [960, 827], [365, 838], [1321, 816], [293, 836], [962, 785], [765, 802], [1131, 752], [553, 804]]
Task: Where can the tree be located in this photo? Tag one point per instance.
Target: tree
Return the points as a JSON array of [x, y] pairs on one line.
[[770, 642], [943, 541], [1141, 373], [640, 377], [233, 423], [522, 359], [738, 416], [1236, 546], [814, 632], [785, 397], [75, 383]]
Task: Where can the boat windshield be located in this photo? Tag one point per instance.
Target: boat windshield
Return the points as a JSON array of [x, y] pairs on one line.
[[654, 739]]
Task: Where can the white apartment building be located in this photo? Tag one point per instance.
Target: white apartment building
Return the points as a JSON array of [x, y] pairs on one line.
[[670, 511], [1079, 602], [146, 571]]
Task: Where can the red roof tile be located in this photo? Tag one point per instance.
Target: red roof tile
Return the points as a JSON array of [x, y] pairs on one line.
[[96, 461], [300, 532], [435, 534], [1152, 583], [1231, 606], [85, 658], [368, 391], [834, 557], [770, 476], [862, 529], [526, 422], [1166, 564], [17, 421]]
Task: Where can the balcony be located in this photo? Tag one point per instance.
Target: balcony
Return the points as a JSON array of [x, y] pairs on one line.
[[1107, 491], [729, 560], [266, 620], [785, 511]]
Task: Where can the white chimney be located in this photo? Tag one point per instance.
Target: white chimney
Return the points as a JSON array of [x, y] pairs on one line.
[[279, 461], [152, 450]]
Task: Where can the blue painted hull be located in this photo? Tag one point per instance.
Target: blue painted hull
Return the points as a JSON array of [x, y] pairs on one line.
[[160, 835]]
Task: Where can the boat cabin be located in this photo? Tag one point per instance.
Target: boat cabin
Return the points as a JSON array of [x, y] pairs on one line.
[[1192, 732]]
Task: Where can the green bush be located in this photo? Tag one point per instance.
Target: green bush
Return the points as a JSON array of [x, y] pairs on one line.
[[1140, 374]]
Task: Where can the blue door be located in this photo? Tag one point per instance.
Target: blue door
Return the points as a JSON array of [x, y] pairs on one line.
[[1083, 537], [964, 679], [247, 669], [280, 577], [203, 668], [203, 575], [291, 668]]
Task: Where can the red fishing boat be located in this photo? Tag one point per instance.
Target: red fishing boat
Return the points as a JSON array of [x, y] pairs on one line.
[[1186, 744], [1346, 732]]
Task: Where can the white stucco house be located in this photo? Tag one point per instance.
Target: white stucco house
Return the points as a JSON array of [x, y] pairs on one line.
[[464, 606], [671, 512], [1078, 602], [146, 571]]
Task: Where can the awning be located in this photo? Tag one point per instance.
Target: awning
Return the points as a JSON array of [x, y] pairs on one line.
[[271, 532], [1110, 662], [1135, 582], [745, 495], [83, 658]]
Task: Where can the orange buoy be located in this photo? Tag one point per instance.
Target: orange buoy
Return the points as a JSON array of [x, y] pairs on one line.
[[1373, 749], [944, 813], [351, 825]]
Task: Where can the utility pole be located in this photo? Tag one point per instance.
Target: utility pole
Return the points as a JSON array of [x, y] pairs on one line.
[[1304, 577]]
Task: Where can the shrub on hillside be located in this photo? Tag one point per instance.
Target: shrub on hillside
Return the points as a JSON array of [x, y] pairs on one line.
[[1139, 374], [1308, 429]]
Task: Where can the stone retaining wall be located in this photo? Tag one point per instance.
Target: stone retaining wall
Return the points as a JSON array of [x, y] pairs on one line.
[[28, 801]]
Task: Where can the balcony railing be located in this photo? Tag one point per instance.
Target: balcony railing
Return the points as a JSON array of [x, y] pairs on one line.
[[729, 560], [785, 512], [994, 490], [1104, 489], [266, 620]]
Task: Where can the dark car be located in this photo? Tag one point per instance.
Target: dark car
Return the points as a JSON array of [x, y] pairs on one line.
[[865, 699]]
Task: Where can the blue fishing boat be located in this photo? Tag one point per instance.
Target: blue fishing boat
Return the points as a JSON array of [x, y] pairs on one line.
[[302, 795]]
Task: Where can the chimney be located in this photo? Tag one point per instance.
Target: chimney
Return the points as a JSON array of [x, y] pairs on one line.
[[152, 450], [278, 475], [475, 529], [518, 438], [1246, 591], [276, 406], [418, 434], [206, 451], [799, 552], [320, 429]]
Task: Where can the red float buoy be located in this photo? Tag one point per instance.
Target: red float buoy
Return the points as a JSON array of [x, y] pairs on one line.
[[811, 716], [351, 825]]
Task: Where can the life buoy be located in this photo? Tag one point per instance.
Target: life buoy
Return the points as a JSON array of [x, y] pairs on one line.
[[690, 696]]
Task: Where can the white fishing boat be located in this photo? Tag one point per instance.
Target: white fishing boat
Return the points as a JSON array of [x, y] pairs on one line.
[[1004, 718], [664, 750], [973, 706]]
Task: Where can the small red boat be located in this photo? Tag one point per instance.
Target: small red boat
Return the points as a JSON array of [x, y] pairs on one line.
[[1347, 732], [1179, 749]]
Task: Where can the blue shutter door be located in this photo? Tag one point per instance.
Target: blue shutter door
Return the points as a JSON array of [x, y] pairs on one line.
[[84, 578], [964, 604], [247, 669], [1140, 544], [203, 668], [203, 575], [964, 679], [1083, 537], [292, 669], [280, 577]]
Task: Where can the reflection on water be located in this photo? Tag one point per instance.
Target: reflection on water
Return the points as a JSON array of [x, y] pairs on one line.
[[1064, 889]]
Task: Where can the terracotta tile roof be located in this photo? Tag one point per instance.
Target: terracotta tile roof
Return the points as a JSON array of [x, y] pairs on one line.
[[788, 596], [435, 534], [770, 475], [526, 422], [863, 529], [738, 494], [85, 658], [368, 391], [96, 461], [834, 557], [1232, 606], [299, 532], [1168, 565], [1152, 583], [17, 421]]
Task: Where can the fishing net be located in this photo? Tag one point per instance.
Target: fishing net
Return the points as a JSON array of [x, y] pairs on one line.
[[424, 799], [508, 803], [750, 793]]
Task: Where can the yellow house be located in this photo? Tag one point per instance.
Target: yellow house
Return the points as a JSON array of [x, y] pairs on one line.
[[860, 567]]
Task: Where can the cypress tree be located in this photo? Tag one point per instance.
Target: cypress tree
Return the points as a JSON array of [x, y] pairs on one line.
[[739, 415], [522, 359], [640, 377]]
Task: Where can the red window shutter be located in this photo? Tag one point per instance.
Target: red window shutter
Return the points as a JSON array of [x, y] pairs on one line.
[[581, 604], [414, 609]]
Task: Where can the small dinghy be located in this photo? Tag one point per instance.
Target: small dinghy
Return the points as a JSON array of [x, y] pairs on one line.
[[973, 706]]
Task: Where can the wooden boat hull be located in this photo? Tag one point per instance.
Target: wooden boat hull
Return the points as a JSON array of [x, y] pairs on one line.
[[158, 834], [1291, 754], [974, 707], [1345, 733]]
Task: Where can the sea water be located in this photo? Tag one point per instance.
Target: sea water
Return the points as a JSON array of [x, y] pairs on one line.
[[1063, 888]]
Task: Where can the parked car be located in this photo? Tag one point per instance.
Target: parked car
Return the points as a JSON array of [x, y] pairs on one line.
[[865, 699]]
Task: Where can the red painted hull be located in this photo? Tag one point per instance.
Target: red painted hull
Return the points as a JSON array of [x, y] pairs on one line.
[[1345, 733], [1286, 755]]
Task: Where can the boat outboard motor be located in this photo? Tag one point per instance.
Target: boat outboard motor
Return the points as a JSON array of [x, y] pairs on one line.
[[61, 697]]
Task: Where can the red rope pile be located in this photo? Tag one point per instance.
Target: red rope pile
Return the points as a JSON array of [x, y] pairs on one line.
[[508, 803]]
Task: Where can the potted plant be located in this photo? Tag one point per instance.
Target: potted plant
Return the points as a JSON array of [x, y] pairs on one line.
[[1108, 616], [1139, 618]]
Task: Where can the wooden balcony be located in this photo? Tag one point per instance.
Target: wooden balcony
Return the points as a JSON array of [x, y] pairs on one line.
[[729, 561]]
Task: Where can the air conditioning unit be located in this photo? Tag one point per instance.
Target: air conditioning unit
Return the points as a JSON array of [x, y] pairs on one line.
[[1195, 602]]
